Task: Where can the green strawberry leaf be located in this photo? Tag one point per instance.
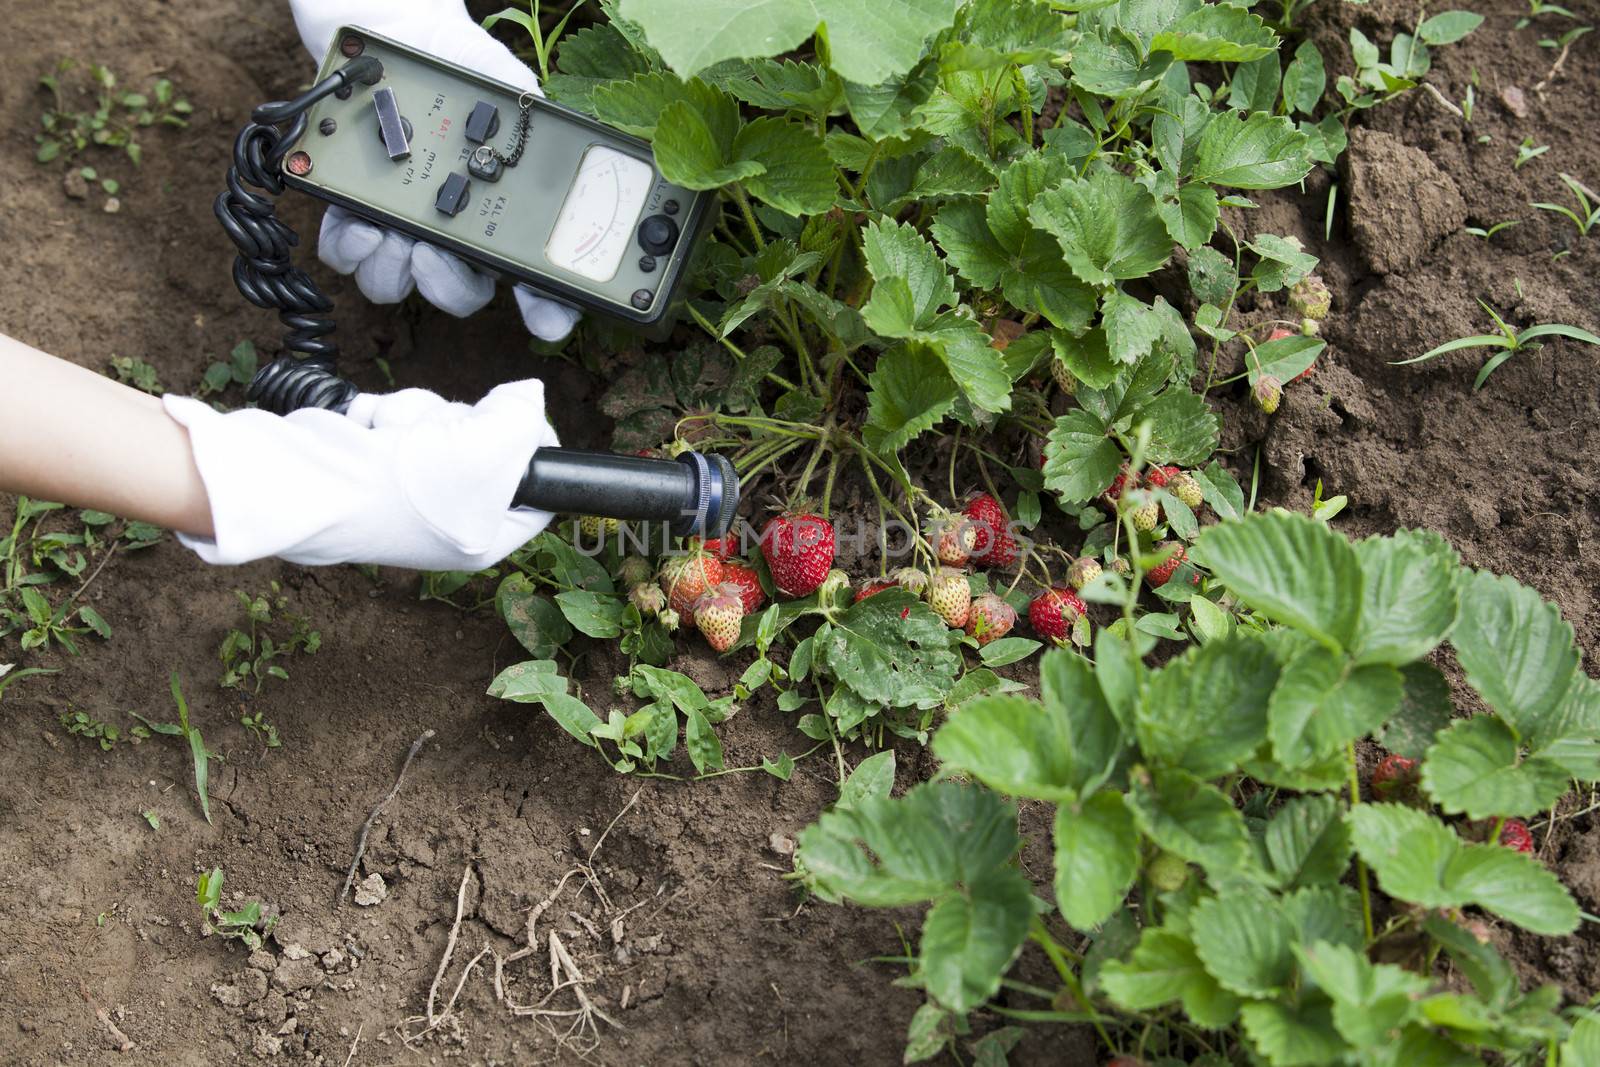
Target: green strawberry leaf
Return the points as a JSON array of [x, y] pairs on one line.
[[1282, 263], [1306, 842], [634, 105], [1080, 460], [1207, 709], [888, 660], [1012, 745], [1245, 942], [797, 177], [1517, 652], [528, 682], [1323, 702], [1293, 569], [994, 246], [1183, 428], [1217, 33], [1115, 66], [911, 282], [694, 147], [1255, 151], [1294, 1033], [1371, 1001], [911, 392], [1185, 815], [1304, 79], [1165, 968], [1420, 860], [1097, 858], [1284, 358], [595, 56], [969, 939], [866, 43], [534, 620], [1409, 603], [1477, 768], [937, 837], [1107, 227]]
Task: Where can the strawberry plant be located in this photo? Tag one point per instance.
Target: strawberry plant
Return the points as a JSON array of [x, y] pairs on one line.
[[1232, 895], [930, 219]]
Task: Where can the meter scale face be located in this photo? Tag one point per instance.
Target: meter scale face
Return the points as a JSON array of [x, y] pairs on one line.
[[581, 213], [601, 214]]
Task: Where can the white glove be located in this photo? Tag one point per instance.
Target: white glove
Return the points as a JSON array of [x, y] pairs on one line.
[[407, 479], [388, 265]]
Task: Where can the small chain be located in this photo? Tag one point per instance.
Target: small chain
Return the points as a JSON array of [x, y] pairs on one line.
[[484, 153]]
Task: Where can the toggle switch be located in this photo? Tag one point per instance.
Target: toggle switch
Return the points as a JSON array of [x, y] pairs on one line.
[[396, 137], [453, 194], [483, 123]]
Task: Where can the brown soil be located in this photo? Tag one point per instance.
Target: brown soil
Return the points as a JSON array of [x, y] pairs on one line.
[[716, 959]]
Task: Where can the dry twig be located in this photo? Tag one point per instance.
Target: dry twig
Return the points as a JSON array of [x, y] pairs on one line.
[[123, 1043], [366, 827]]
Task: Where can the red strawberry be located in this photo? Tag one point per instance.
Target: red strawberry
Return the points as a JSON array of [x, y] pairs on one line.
[[723, 548], [685, 579], [1515, 836], [993, 545], [873, 588], [799, 551], [1124, 480], [1053, 612], [748, 582], [950, 596], [1158, 477], [1394, 774], [718, 614], [990, 618], [1158, 575]]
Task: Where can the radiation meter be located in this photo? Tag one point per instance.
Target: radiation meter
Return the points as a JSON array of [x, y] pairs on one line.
[[512, 183], [504, 178]]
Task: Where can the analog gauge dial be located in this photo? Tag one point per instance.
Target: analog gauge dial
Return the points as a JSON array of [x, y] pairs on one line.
[[597, 218]]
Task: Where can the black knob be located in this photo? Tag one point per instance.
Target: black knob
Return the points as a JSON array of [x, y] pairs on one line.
[[657, 235]]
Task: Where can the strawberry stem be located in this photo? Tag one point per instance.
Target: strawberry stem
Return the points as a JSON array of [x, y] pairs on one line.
[[1361, 867]]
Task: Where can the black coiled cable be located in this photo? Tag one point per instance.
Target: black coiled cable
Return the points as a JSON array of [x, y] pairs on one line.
[[263, 271]]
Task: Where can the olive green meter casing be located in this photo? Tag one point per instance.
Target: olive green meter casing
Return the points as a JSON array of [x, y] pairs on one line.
[[583, 215]]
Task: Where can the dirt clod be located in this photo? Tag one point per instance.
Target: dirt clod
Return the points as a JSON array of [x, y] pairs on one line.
[[1400, 202], [371, 890]]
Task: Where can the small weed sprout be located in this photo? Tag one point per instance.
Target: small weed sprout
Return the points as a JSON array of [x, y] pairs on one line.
[[247, 655], [240, 924], [1527, 152], [1510, 340], [113, 119], [1588, 212]]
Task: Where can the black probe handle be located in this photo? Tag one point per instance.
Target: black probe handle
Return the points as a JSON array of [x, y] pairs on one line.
[[694, 493], [579, 482]]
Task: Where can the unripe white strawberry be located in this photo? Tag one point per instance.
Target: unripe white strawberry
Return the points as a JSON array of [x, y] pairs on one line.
[[1085, 570], [1267, 393], [950, 596], [1186, 488], [718, 614]]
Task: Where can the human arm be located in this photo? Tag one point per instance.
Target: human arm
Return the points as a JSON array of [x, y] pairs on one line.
[[68, 434], [406, 479]]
